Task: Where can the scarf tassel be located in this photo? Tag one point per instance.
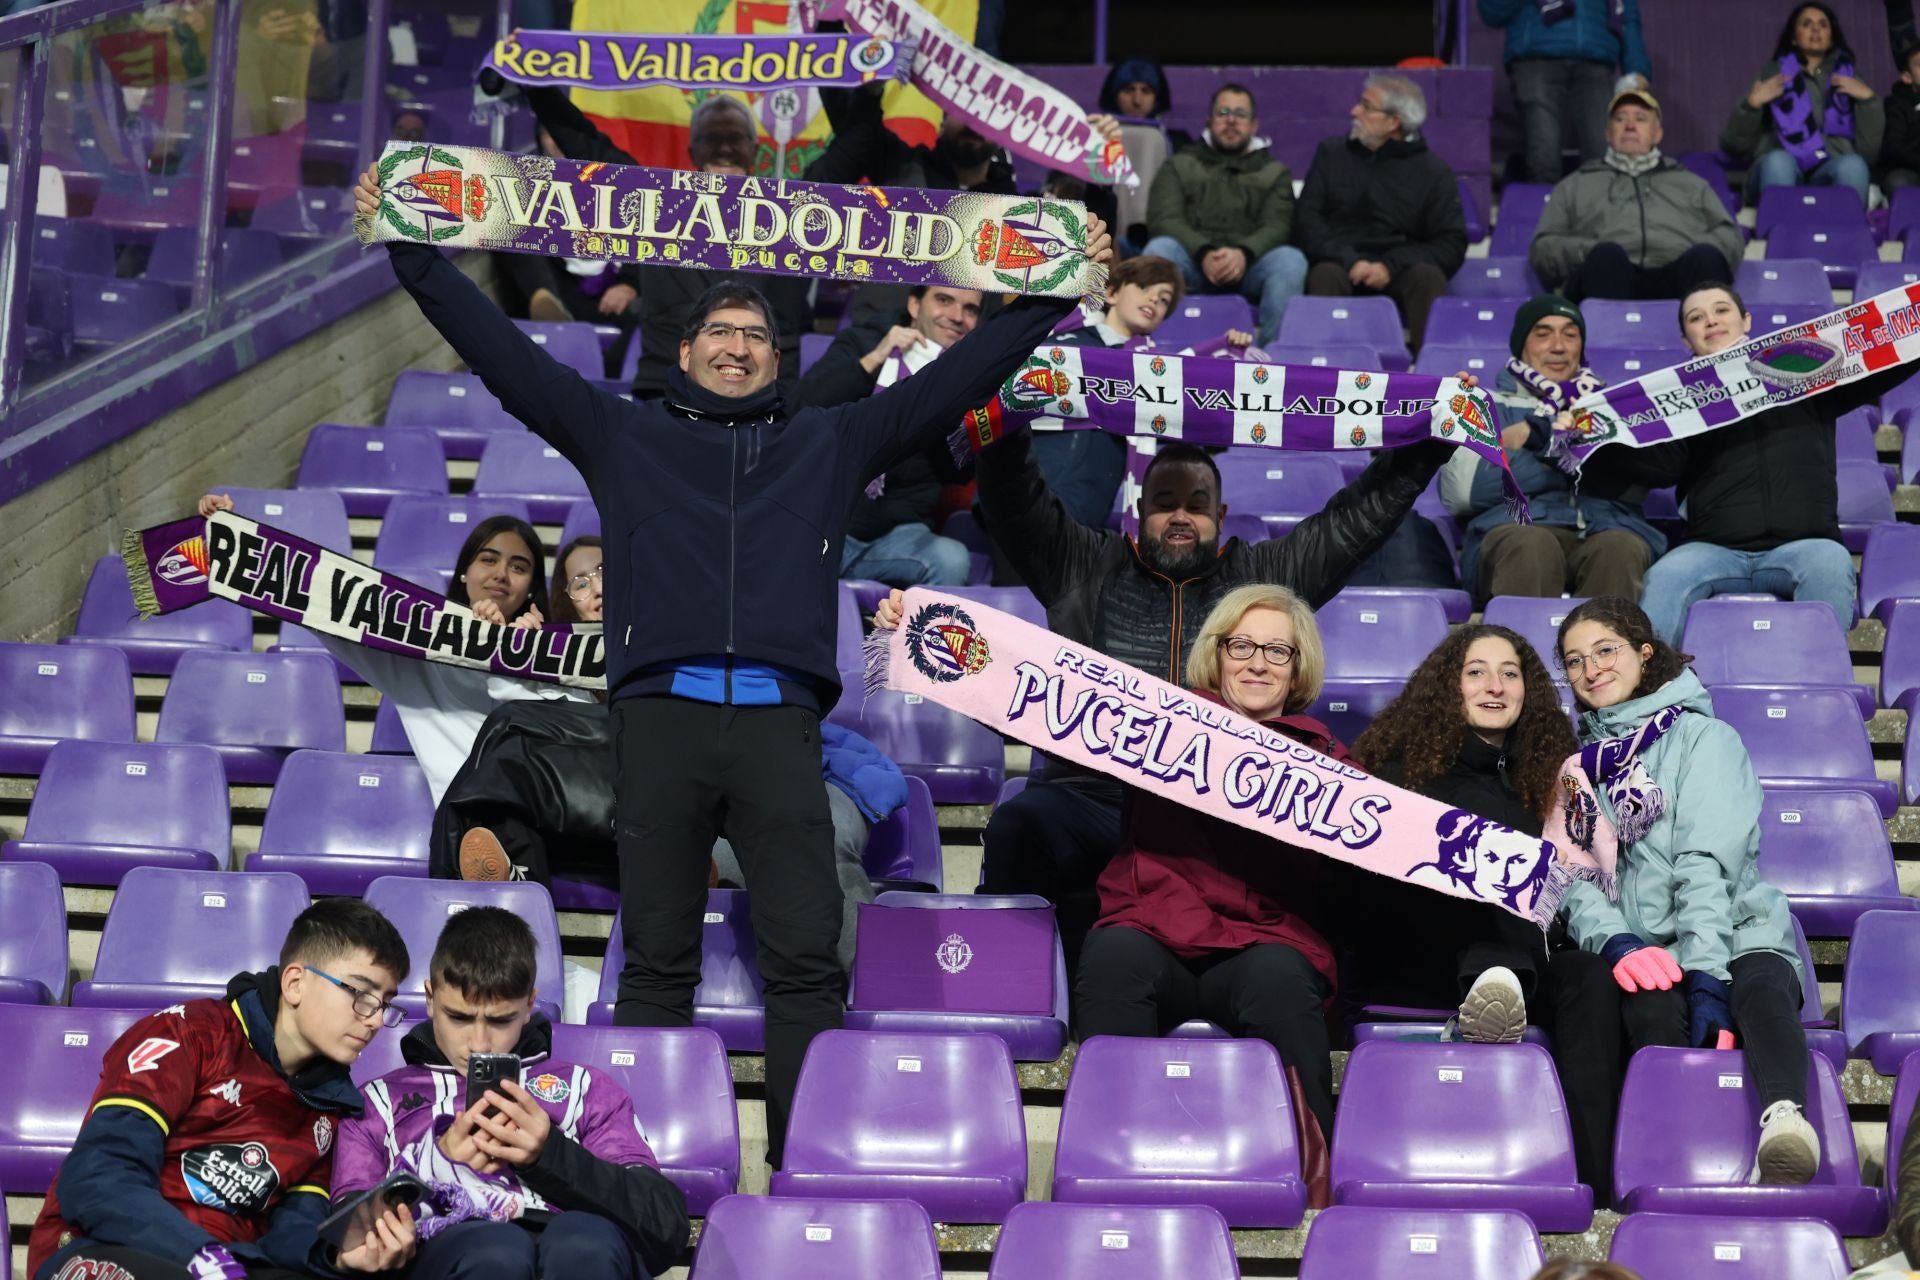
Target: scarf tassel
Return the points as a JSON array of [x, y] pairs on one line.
[[133, 550], [876, 658]]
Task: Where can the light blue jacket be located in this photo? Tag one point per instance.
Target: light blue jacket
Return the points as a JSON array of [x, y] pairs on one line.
[[1586, 35], [1691, 885]]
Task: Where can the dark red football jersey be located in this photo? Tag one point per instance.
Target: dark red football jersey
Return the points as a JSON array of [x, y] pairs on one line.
[[238, 1139]]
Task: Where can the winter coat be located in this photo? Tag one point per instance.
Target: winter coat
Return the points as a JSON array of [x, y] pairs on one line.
[[1207, 200], [1900, 143], [1691, 884], [1399, 206], [1587, 35], [1655, 216], [1750, 132]]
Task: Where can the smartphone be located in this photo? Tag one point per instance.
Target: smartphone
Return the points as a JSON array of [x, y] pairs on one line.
[[486, 1070], [348, 1225]]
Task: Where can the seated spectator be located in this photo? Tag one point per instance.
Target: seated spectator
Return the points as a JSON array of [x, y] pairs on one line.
[[156, 1184], [1380, 212], [1900, 144], [1762, 498], [1137, 90], [1562, 59], [1136, 94], [1203, 919], [550, 1174], [1808, 120], [1664, 801], [1588, 539], [1635, 224], [1222, 209]]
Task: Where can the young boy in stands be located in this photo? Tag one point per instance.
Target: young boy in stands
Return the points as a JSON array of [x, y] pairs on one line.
[[208, 1149], [549, 1175]]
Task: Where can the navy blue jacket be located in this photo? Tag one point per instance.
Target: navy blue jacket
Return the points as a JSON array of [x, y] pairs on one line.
[[722, 533], [1586, 36]]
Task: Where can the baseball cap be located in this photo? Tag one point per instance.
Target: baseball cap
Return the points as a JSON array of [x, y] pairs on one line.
[[1640, 96]]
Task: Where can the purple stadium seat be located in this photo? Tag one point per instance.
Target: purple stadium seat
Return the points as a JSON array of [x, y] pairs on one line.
[[571, 342], [76, 247], [1261, 482], [1823, 1037], [1455, 603], [1349, 1242], [1484, 360], [1678, 1246], [56, 1054], [33, 934], [1840, 249], [108, 312], [1874, 277], [1623, 364], [422, 532], [1864, 501], [1906, 1089], [1477, 322], [457, 407], [1805, 740], [1910, 769], [1778, 279], [1825, 206], [1471, 211], [49, 319], [582, 518], [754, 1237], [1521, 205], [104, 808], [847, 656], [682, 1090], [1903, 214], [1537, 620], [1044, 1241], [1900, 655], [48, 693], [1324, 355], [245, 254], [310, 214], [934, 1118], [1018, 601], [923, 995], [1770, 317], [812, 347], [1643, 325], [961, 760], [1689, 1123], [1369, 321], [1494, 278], [254, 708], [389, 735], [905, 848], [318, 515], [729, 998], [1879, 1002], [1372, 642], [1853, 441], [333, 132], [527, 467], [416, 81], [383, 1053], [1194, 1122], [1767, 643], [1828, 852], [419, 908], [180, 935], [1202, 317], [338, 821], [370, 466], [153, 646]]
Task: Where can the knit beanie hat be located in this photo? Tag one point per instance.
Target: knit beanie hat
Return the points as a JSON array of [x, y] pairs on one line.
[[1538, 308]]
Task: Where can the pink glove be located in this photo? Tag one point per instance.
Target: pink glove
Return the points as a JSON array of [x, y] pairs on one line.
[[1647, 969]]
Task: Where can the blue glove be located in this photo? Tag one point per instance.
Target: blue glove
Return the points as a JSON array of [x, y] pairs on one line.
[[1620, 946], [1708, 1013]]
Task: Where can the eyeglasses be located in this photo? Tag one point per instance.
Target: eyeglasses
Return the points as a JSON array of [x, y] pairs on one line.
[[1603, 657], [1232, 113], [1240, 648], [720, 331], [1370, 109], [365, 1003], [581, 583]]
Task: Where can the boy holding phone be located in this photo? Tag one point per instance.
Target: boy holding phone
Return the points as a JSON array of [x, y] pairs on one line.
[[543, 1173], [208, 1149]]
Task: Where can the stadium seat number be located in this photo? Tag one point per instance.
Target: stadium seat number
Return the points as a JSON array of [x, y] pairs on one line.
[[1179, 1070], [1423, 1244]]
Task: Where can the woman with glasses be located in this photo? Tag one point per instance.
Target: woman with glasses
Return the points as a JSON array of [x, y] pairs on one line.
[[1663, 801]]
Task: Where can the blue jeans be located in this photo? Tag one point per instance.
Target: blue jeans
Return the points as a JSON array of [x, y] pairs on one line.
[[1810, 569], [1272, 280], [907, 555], [572, 1244], [1778, 169]]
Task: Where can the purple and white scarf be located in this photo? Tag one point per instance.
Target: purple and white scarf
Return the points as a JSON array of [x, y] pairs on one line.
[[1793, 121], [1555, 396], [1579, 827]]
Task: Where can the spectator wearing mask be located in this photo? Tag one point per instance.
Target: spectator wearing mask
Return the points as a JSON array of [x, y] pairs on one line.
[[549, 1174], [1380, 213], [1588, 539], [1900, 145], [1634, 224], [1762, 497], [1808, 120], [1222, 211], [1563, 57]]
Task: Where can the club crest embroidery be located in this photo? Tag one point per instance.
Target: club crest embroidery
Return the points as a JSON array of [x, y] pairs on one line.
[[323, 1134], [1034, 236], [953, 955], [944, 643], [185, 563], [1471, 420], [1358, 435], [1035, 383], [1259, 433], [1158, 365], [549, 1088], [870, 57], [1159, 424], [1363, 380], [1260, 374], [440, 195]]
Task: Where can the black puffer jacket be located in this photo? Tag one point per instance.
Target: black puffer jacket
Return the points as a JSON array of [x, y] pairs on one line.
[[1398, 206]]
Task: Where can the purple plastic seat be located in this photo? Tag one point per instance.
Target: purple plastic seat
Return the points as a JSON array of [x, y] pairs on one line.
[[682, 1090], [1479, 322], [1805, 740], [582, 518], [1369, 321], [318, 515], [1324, 355], [1770, 643], [1193, 1122], [153, 646], [103, 808], [383, 1053], [457, 407], [1677, 1246], [1828, 852], [108, 312], [754, 1237], [1838, 248], [1906, 1090], [1521, 207], [1536, 619], [1443, 360], [571, 342], [245, 254], [419, 908], [1445, 1126], [254, 708], [48, 693], [1623, 364], [33, 934], [310, 213], [1770, 317], [421, 532], [961, 760], [812, 347], [415, 81], [905, 848], [1879, 1001], [1018, 601], [1823, 1037], [933, 1118], [1889, 570], [921, 993], [389, 735], [1644, 325], [1470, 211], [1262, 482], [1873, 277], [1351, 1242], [74, 246], [56, 1054], [729, 998], [1455, 603], [1689, 1123], [527, 467], [1045, 1241], [1491, 277], [1777, 279], [370, 466], [1865, 502], [1372, 643], [1900, 656], [180, 935], [1202, 317], [339, 820], [1819, 206]]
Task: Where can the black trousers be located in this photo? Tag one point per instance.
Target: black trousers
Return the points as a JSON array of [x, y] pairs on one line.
[[1425, 949], [1054, 839], [1579, 1003], [1766, 1014], [1131, 985], [689, 771], [93, 1261], [571, 1246], [1607, 272]]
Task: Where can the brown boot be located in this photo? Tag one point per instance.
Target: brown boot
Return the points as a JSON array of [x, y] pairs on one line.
[[482, 857]]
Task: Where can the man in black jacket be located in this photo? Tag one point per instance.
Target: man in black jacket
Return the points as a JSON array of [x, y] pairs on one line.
[[724, 516], [1380, 213], [1900, 144]]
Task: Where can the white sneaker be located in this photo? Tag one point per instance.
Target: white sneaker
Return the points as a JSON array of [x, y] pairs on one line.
[[1789, 1153], [1495, 1010]]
